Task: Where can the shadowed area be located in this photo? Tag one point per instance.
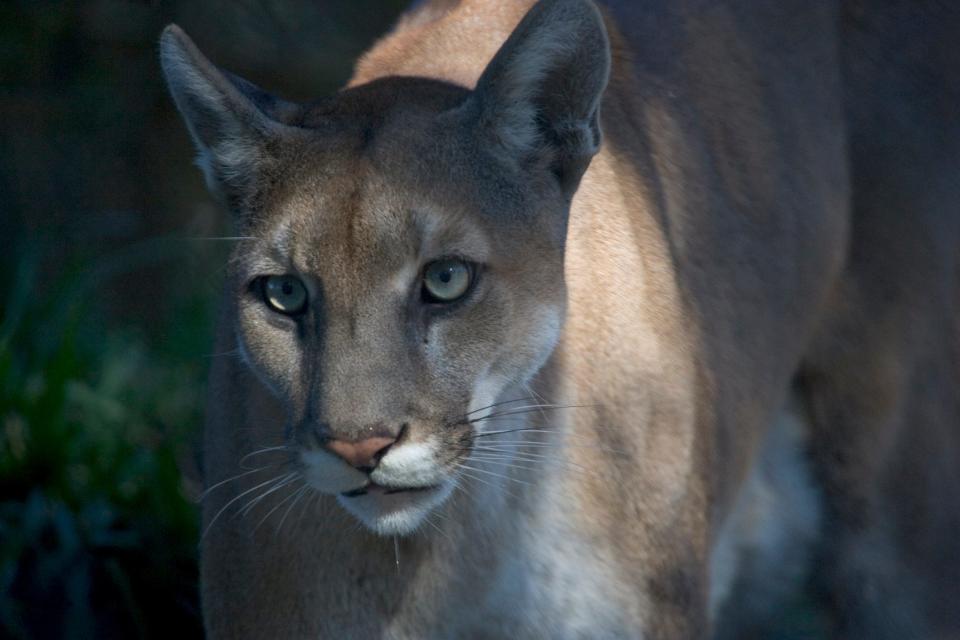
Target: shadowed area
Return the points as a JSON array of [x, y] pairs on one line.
[[111, 257]]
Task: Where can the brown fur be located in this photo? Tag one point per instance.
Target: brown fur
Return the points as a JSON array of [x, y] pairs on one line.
[[774, 208]]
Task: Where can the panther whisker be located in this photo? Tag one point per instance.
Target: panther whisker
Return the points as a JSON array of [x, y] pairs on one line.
[[203, 496], [245, 509], [263, 451], [540, 443], [540, 460], [302, 491], [495, 404], [234, 499], [484, 434], [519, 444], [457, 485], [436, 528], [485, 482], [524, 410], [510, 453], [276, 506], [558, 431], [534, 465], [497, 475], [537, 396], [309, 505]]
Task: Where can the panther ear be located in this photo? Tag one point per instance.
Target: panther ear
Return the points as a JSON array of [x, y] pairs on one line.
[[231, 120], [541, 92]]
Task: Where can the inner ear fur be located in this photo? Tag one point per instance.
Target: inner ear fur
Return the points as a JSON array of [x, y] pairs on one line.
[[539, 98], [229, 119]]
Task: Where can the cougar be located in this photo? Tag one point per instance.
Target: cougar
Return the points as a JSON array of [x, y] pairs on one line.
[[635, 320]]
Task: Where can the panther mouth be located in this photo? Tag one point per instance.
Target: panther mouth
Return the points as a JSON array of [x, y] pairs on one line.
[[375, 488], [393, 509]]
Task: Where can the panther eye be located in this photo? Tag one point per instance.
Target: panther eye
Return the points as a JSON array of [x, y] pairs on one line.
[[285, 294], [446, 280]]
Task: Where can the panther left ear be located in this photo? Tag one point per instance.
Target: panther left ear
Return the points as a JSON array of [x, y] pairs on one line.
[[230, 120], [541, 92]]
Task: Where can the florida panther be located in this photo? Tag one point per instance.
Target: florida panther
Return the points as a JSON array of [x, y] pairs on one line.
[[577, 321]]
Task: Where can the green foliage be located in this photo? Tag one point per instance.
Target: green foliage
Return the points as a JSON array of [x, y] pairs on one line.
[[96, 536]]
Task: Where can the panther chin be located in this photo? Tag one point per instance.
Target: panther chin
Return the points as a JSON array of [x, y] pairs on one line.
[[394, 511]]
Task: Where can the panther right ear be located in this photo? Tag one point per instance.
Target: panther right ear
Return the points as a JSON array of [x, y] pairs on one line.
[[539, 98], [230, 119]]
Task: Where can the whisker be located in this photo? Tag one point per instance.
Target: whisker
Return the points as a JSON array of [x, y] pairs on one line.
[[262, 451], [565, 445], [537, 407], [517, 455], [519, 449], [529, 455], [440, 515], [535, 462], [301, 492], [303, 511], [306, 507], [275, 507], [537, 397], [516, 411], [247, 508], [486, 482], [458, 485], [536, 443], [504, 462], [207, 491], [437, 528], [234, 499], [518, 430], [495, 404], [497, 475], [539, 443], [555, 431]]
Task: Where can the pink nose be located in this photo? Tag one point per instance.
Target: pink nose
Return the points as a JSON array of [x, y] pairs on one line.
[[362, 454]]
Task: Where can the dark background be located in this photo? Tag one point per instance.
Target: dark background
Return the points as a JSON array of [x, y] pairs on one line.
[[107, 291]]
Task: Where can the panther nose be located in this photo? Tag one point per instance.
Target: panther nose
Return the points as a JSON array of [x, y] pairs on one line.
[[363, 454]]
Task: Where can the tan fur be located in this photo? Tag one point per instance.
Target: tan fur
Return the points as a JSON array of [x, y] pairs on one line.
[[771, 210]]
